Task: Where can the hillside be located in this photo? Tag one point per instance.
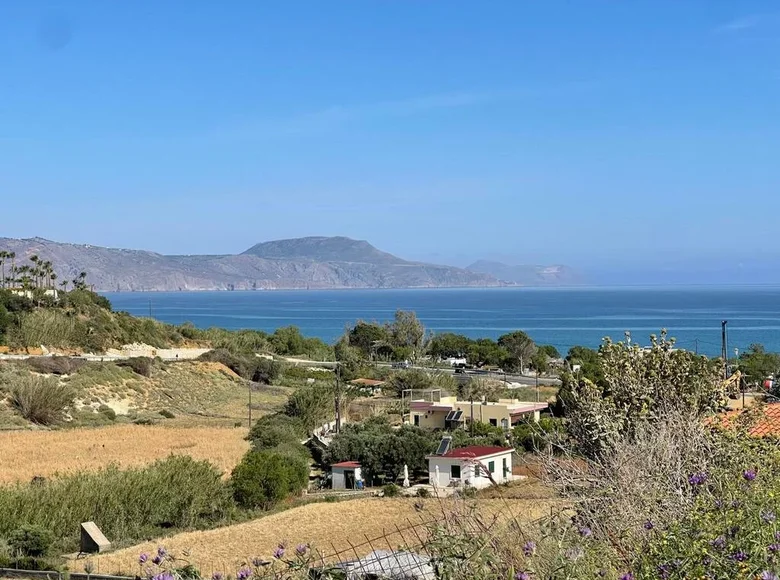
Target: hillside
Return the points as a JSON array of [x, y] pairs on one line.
[[335, 262], [527, 275]]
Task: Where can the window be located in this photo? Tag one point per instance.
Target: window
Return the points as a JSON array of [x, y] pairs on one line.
[[494, 422], [417, 420], [455, 471], [506, 469], [504, 424], [492, 466]]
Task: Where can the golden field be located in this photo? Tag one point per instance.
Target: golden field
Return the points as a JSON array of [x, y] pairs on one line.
[[26, 454], [330, 528]]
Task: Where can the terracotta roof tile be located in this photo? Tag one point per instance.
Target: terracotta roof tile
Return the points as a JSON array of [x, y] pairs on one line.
[[766, 425]]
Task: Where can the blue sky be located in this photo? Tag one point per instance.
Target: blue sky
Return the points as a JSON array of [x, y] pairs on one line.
[[590, 133]]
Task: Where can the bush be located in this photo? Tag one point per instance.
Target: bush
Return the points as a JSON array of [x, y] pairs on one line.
[[391, 490], [266, 371], [108, 412], [55, 365], [33, 541], [141, 365], [128, 505], [264, 478], [242, 365], [423, 492], [41, 400], [167, 414], [531, 436], [274, 430]]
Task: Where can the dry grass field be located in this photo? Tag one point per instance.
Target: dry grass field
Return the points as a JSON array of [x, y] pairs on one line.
[[29, 453], [329, 527]]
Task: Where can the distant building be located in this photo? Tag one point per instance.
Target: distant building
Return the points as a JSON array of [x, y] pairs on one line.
[[346, 475], [449, 413], [473, 466]]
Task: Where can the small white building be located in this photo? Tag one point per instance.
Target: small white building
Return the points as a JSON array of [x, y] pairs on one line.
[[469, 466], [346, 475]]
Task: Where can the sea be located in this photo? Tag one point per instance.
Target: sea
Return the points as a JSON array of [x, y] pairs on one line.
[[563, 317]]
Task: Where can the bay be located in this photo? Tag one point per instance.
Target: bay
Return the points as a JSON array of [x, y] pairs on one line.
[[563, 317]]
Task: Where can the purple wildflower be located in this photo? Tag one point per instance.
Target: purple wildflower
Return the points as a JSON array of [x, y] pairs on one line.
[[301, 549], [719, 504], [244, 573], [773, 548], [768, 516], [777, 536], [157, 560], [586, 532], [279, 552], [707, 561], [627, 576], [735, 504], [649, 525], [718, 543], [739, 556], [697, 478], [522, 576], [217, 576], [529, 548], [749, 474], [142, 559], [664, 572], [768, 575], [162, 552], [163, 576]]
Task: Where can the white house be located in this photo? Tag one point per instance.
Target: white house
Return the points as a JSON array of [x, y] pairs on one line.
[[470, 466], [346, 475]]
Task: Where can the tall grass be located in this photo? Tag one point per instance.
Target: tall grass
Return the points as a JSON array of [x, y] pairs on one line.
[[128, 505]]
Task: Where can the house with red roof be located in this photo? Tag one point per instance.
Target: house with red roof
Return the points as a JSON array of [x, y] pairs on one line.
[[475, 466], [346, 475]]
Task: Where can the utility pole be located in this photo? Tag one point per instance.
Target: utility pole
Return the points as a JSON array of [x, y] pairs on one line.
[[537, 385], [724, 348], [250, 406], [338, 398]]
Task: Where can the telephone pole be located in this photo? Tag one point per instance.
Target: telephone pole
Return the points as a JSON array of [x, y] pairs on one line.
[[338, 398]]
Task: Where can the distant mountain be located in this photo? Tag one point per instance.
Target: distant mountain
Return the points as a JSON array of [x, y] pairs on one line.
[[315, 262], [323, 249], [527, 275]]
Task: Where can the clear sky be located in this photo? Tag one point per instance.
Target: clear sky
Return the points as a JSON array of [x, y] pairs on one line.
[[579, 132]]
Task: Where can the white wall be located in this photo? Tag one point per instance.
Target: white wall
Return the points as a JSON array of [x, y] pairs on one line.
[[467, 470], [339, 480]]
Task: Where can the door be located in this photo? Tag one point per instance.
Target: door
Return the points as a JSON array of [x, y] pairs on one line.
[[349, 479]]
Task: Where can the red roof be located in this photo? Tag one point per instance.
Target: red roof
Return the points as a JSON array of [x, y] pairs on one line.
[[350, 464], [368, 382], [765, 423], [475, 452]]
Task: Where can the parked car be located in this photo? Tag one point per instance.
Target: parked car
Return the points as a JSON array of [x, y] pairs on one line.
[[401, 365]]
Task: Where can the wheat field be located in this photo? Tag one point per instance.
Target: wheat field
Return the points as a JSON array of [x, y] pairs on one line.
[[328, 527], [26, 454]]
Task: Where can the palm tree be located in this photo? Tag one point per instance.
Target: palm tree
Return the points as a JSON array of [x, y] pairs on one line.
[[3, 256], [64, 285], [12, 255]]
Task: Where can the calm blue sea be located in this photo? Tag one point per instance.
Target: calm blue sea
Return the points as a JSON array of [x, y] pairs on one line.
[[562, 317]]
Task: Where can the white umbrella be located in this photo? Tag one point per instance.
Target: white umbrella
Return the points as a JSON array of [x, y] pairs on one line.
[[436, 479], [406, 476]]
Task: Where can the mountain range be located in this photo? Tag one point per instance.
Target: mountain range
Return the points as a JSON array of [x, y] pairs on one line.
[[310, 262]]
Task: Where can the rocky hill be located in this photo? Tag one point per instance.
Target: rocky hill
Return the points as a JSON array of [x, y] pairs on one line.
[[315, 262], [527, 275]]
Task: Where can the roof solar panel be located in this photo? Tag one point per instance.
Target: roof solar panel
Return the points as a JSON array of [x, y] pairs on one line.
[[444, 446]]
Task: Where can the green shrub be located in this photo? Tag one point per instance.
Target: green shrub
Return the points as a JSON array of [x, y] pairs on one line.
[[537, 436], [423, 492], [107, 411], [141, 365], [274, 430], [264, 478], [128, 505], [40, 400], [391, 490], [242, 365], [167, 414], [33, 541]]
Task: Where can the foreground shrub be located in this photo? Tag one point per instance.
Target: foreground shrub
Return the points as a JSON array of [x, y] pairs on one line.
[[273, 430], [40, 400], [264, 478], [128, 505], [391, 490]]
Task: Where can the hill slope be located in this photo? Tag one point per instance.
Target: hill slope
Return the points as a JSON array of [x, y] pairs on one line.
[[286, 264], [526, 275]]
